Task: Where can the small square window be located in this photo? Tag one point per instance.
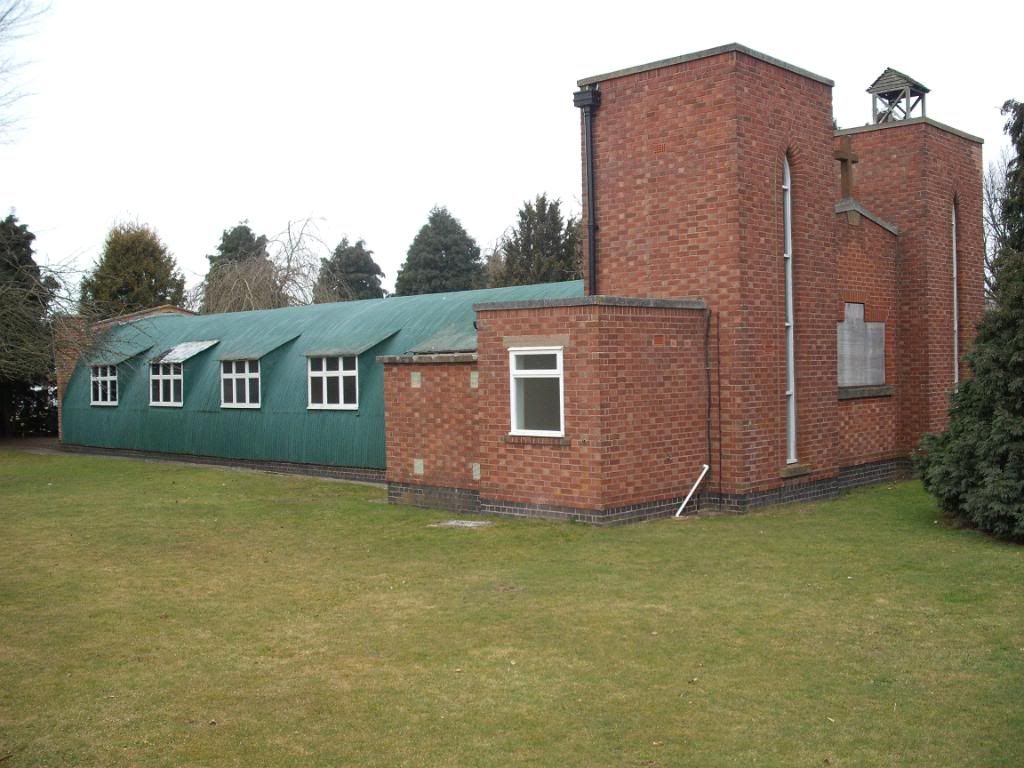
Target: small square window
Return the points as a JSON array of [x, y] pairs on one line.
[[537, 398]]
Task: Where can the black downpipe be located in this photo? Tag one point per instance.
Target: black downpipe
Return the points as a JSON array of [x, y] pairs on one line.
[[589, 99]]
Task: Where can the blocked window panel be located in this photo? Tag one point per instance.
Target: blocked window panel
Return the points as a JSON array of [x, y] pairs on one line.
[[860, 349]]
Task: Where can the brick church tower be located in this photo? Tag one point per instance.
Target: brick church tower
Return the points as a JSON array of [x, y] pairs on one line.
[[715, 173], [783, 303]]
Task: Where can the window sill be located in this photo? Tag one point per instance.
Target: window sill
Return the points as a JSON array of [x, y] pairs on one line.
[[332, 407], [859, 393], [244, 407], [105, 405], [165, 405], [535, 440]]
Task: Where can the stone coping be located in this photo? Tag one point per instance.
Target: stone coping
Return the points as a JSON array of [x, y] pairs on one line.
[[589, 301], [848, 204], [909, 121], [727, 48], [428, 359]]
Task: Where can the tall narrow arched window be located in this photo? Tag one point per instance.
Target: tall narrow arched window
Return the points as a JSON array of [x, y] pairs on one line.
[[787, 259], [956, 305]]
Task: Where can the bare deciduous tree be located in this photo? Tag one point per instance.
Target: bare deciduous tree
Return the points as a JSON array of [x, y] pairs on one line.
[[286, 277], [26, 294], [996, 237], [296, 254], [16, 18]]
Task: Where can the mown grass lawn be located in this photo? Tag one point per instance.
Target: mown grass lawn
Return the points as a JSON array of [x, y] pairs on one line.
[[165, 615]]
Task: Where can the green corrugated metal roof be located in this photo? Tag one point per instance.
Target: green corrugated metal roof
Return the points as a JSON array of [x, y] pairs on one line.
[[451, 339], [113, 349], [249, 348], [356, 340], [282, 429]]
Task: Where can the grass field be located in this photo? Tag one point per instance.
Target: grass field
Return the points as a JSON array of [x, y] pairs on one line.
[[165, 615]]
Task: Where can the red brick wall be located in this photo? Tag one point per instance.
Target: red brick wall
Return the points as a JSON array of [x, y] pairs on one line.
[[436, 422], [70, 338], [784, 113], [688, 175], [910, 173], [538, 470], [867, 256], [635, 406]]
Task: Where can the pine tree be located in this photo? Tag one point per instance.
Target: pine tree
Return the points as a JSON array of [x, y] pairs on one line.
[[442, 257], [135, 271], [976, 467], [542, 247], [350, 273]]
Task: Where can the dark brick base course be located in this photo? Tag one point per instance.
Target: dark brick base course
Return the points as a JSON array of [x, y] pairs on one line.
[[813, 490], [362, 474], [469, 502], [634, 513], [431, 497]]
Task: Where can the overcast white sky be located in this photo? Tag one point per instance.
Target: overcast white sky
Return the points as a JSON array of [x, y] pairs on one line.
[[191, 116]]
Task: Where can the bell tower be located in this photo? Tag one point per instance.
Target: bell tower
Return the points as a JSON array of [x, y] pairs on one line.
[[895, 96]]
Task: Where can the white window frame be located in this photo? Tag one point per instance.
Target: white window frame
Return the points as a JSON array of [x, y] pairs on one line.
[[341, 374], [549, 373], [100, 375], [956, 306], [787, 260], [246, 376], [177, 374]]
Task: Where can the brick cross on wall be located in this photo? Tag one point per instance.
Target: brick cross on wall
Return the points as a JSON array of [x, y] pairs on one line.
[[846, 157]]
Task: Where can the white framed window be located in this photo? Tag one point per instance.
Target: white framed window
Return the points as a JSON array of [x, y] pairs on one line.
[[956, 306], [536, 391], [104, 385], [240, 384], [333, 383], [787, 261], [165, 384]]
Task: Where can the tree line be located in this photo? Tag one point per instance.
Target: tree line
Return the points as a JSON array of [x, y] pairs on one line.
[[248, 271], [135, 270]]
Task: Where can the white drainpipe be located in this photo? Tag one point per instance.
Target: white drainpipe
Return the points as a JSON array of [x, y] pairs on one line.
[[687, 499]]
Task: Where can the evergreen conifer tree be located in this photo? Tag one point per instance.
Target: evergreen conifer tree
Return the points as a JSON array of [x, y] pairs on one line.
[[26, 362], [976, 467], [349, 274], [442, 257], [542, 247], [239, 244], [135, 271]]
